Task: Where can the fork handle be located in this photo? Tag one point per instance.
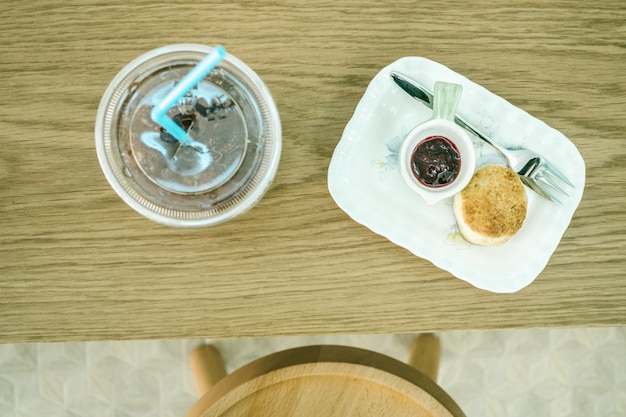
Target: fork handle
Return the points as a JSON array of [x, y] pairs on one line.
[[467, 126]]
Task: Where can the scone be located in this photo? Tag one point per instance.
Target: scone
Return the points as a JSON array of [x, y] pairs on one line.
[[492, 208]]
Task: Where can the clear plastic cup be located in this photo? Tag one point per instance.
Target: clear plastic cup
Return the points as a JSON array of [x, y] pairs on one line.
[[231, 116]]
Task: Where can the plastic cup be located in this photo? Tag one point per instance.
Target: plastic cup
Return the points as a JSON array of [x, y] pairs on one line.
[[231, 116]]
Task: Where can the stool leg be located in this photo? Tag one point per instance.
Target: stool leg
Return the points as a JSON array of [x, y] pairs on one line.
[[425, 355], [207, 367]]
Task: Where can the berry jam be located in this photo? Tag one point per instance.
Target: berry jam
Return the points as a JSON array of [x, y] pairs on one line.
[[435, 161]]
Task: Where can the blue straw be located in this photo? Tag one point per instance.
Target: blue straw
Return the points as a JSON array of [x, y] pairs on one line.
[[159, 112]]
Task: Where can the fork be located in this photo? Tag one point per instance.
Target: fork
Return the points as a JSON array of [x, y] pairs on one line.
[[534, 171]]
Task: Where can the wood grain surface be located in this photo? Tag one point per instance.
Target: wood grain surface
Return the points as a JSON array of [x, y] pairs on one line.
[[333, 381], [77, 264]]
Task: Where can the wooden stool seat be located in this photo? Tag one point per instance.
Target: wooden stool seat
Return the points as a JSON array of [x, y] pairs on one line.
[[329, 381]]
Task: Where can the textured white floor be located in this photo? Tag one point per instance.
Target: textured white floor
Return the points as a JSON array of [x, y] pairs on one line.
[[544, 372]]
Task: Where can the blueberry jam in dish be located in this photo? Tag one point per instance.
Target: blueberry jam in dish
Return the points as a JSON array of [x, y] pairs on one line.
[[436, 161]]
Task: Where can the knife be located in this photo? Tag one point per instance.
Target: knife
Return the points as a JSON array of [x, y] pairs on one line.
[[425, 96]]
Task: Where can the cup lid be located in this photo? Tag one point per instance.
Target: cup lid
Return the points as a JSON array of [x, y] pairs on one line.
[[229, 113]]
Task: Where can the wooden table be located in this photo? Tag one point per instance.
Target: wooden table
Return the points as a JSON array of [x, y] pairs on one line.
[[77, 264]]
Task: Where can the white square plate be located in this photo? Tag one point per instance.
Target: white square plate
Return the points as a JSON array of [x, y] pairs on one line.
[[364, 180]]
